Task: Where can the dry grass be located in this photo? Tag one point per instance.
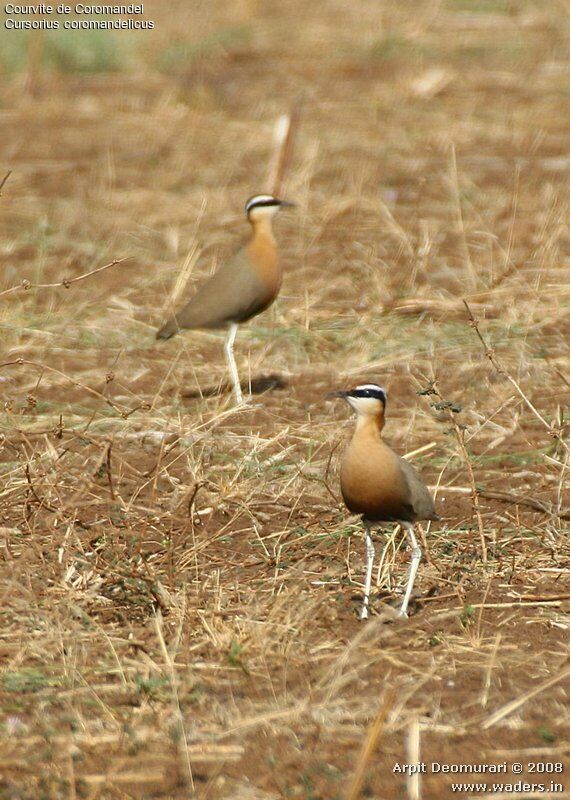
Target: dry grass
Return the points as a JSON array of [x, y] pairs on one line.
[[180, 581]]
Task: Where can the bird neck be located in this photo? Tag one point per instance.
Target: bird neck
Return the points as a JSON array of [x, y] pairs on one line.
[[261, 228], [369, 424]]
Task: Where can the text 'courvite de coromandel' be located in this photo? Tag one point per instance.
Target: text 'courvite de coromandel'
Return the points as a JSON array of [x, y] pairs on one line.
[[42, 16]]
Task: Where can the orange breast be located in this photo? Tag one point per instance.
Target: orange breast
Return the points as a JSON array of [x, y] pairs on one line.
[[262, 254], [371, 480]]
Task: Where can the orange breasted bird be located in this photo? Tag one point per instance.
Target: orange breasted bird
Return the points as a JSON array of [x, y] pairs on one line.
[[380, 485], [242, 288]]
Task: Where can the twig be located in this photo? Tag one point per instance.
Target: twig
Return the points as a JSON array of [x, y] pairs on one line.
[[109, 470], [490, 354], [162, 596], [72, 795], [562, 376], [508, 708], [510, 266], [514, 604], [545, 506], [546, 598], [425, 546], [489, 671], [4, 179], [451, 410], [531, 502], [170, 665], [434, 598], [192, 498], [459, 216], [373, 735], [66, 283], [413, 757], [41, 502], [121, 410]]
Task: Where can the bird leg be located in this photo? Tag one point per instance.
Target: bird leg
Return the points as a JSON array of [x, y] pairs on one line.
[[229, 351], [369, 566], [414, 564]]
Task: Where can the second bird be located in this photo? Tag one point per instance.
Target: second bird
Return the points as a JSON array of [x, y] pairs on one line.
[[242, 288], [379, 485]]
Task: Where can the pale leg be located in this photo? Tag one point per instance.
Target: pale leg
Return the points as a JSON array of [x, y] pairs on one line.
[[229, 350], [414, 564], [369, 566]]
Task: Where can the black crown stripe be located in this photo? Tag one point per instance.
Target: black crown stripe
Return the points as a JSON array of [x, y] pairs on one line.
[[377, 394], [261, 203]]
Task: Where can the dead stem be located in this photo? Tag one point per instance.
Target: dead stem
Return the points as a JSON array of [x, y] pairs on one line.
[[66, 283], [459, 430], [372, 737], [501, 370]]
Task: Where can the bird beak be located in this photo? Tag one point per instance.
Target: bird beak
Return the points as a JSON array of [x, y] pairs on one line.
[[286, 204], [332, 395]]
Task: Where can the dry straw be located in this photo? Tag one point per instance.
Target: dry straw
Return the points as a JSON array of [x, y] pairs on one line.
[[180, 582]]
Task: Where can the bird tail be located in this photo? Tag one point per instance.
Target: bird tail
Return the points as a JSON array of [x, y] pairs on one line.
[[168, 329]]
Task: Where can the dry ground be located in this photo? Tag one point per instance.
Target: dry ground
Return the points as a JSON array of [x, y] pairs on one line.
[[179, 580]]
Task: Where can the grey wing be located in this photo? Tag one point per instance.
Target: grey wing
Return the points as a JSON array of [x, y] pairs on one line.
[[421, 500], [232, 294]]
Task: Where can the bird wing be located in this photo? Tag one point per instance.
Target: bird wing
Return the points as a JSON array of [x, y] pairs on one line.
[[420, 500], [233, 294]]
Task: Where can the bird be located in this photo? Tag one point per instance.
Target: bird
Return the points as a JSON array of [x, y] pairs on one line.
[[243, 287], [379, 485]]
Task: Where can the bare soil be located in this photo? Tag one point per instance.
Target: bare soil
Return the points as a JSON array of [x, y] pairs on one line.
[[180, 581]]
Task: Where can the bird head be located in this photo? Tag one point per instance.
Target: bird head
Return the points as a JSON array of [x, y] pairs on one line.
[[264, 206], [368, 399]]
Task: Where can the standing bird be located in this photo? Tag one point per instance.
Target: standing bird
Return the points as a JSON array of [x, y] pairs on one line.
[[242, 288], [378, 484]]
